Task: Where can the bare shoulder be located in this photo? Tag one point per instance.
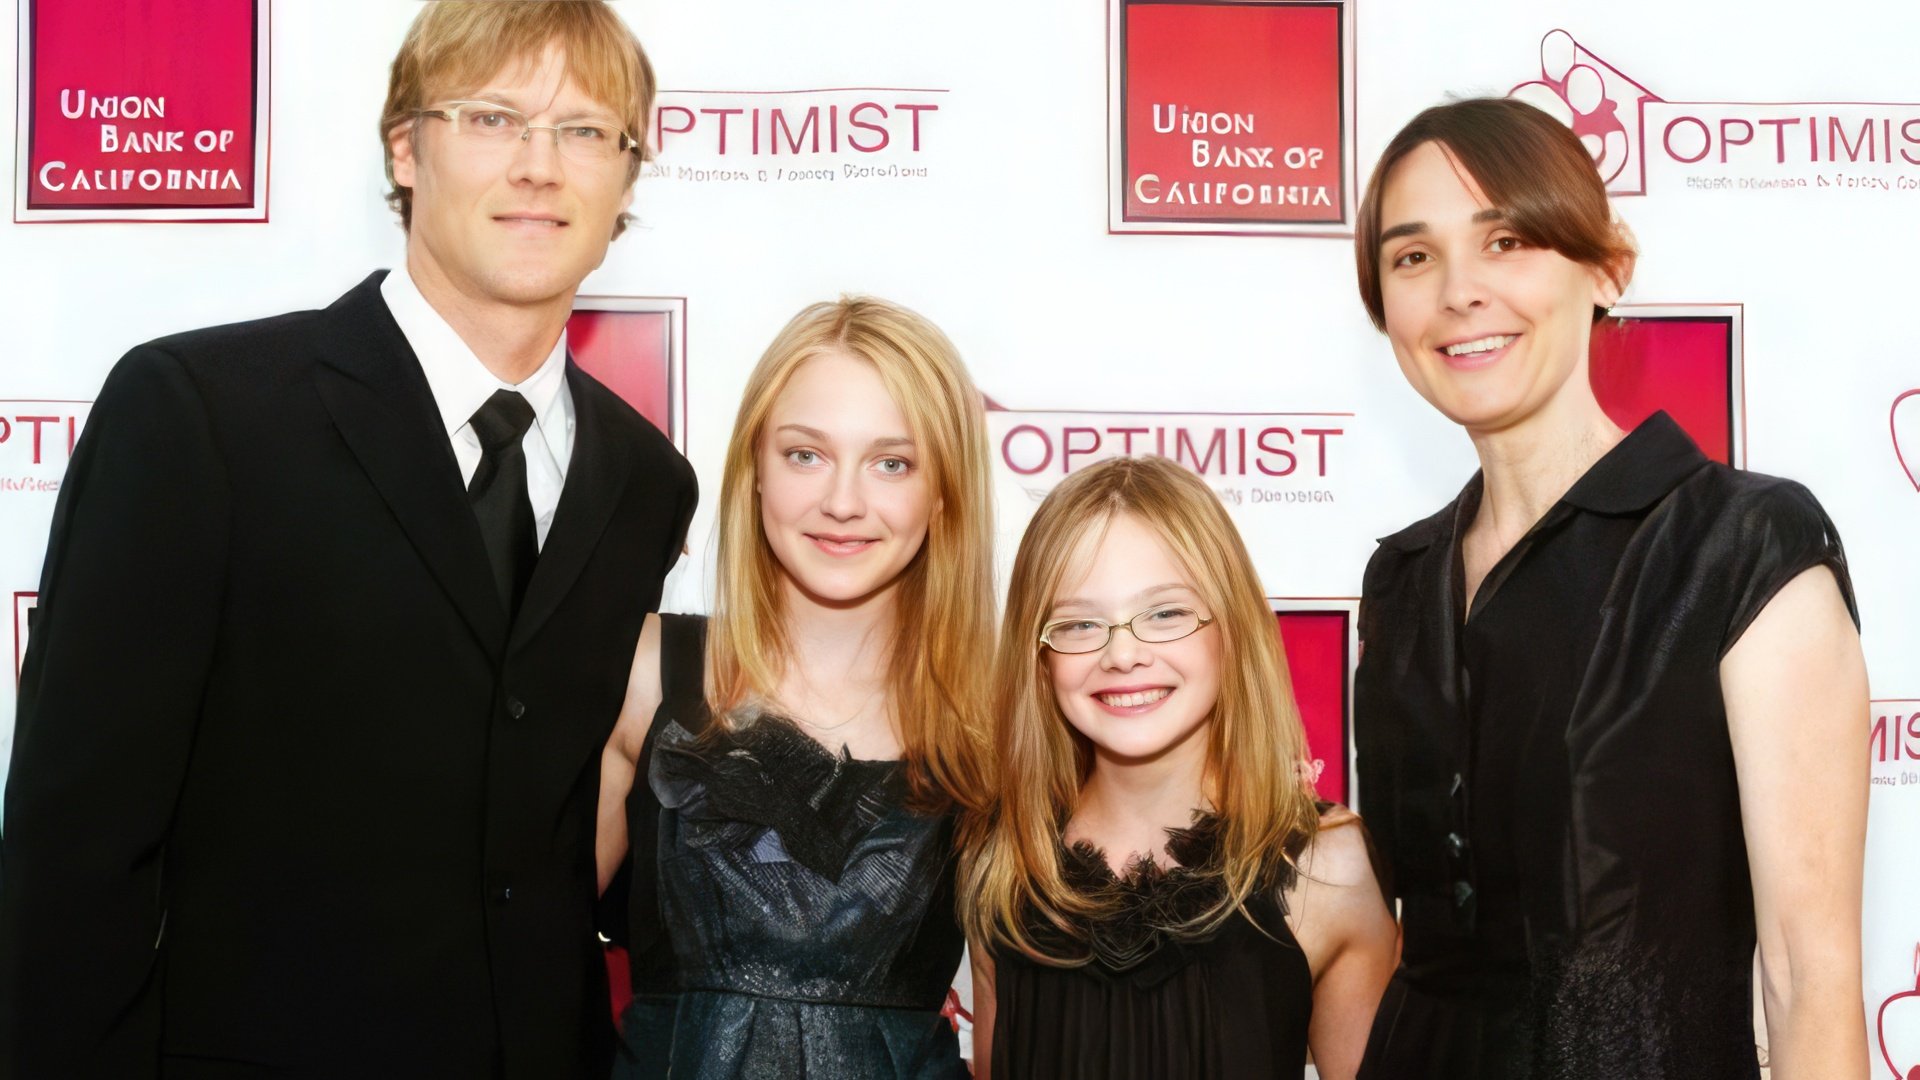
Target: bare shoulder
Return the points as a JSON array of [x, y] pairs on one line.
[[1809, 609], [1335, 904], [1340, 854], [643, 693]]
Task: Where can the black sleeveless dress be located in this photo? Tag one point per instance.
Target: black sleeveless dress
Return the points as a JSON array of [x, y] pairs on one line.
[[1550, 779], [789, 918], [1232, 1005]]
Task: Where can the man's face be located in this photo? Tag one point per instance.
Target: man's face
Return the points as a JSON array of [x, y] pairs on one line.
[[511, 222]]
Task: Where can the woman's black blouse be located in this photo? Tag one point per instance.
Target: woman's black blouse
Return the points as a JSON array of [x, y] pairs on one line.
[[1549, 775]]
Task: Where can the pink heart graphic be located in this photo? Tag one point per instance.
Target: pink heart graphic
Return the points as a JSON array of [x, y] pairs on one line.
[[1907, 1003], [1904, 420], [1598, 101]]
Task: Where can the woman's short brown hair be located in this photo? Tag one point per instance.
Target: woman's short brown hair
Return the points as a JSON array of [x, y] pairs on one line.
[[454, 46], [1528, 164]]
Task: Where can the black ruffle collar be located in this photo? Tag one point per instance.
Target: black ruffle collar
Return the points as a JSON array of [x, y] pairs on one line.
[[769, 773], [1144, 939]]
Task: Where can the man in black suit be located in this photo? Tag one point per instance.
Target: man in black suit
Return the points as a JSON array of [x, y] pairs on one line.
[[336, 617]]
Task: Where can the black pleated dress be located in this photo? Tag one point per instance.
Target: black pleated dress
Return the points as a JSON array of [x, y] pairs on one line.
[[1550, 780], [1232, 1005]]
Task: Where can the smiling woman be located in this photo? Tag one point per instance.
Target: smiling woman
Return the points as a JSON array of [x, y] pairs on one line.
[[1488, 260], [1593, 685]]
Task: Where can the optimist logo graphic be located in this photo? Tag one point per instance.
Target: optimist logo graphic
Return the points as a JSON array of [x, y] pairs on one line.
[[780, 137], [1904, 422], [36, 440], [1596, 100], [1230, 116], [1893, 743], [142, 110], [1318, 637], [1251, 458], [1642, 142], [1893, 753], [637, 347], [1289, 480]]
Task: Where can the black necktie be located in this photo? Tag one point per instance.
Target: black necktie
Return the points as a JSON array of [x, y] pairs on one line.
[[498, 492]]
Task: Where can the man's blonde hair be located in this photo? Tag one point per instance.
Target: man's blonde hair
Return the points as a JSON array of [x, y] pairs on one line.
[[454, 46]]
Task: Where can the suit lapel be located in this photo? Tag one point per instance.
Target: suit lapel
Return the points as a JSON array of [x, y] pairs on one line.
[[596, 477], [373, 387]]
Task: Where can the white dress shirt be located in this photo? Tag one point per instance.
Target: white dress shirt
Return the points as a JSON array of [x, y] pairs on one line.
[[461, 384]]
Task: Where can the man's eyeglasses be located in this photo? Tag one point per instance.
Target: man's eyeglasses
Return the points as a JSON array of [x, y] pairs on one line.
[[1157, 625], [484, 124]]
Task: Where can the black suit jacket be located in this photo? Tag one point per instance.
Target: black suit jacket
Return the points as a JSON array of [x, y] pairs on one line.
[[290, 795]]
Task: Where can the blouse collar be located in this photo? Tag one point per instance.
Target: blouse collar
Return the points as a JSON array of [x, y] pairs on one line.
[[1640, 470]]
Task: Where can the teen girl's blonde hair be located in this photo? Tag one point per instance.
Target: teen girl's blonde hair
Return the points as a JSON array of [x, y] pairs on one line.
[[943, 618], [1011, 857]]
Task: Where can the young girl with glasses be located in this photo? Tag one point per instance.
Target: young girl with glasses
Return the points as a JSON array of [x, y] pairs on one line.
[[1156, 892]]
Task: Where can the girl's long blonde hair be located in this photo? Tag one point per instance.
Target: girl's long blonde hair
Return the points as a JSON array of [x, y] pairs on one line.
[[943, 617], [1011, 867]]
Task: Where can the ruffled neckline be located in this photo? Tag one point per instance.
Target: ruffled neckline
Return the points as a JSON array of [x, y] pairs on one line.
[[1143, 939], [768, 773], [1193, 850]]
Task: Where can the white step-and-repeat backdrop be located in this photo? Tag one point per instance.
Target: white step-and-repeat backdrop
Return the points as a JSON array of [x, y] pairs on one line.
[[1131, 216]]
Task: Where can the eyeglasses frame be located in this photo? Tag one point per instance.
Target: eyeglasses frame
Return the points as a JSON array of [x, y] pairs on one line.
[[1205, 621], [451, 114]]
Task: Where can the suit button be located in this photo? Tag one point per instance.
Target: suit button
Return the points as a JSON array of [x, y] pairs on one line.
[[506, 895], [515, 708]]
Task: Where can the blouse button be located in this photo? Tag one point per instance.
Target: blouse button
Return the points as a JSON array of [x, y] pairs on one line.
[[1456, 844]]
